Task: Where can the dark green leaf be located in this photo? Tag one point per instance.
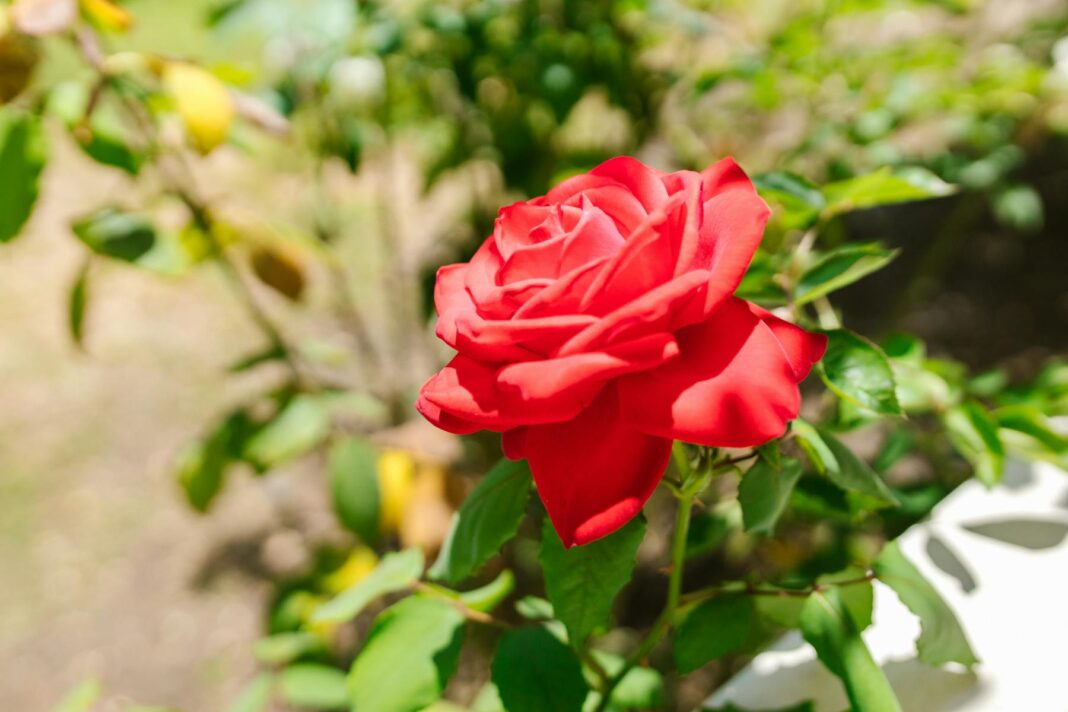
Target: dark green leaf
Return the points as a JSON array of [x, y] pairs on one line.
[[271, 353], [582, 581], [300, 426], [117, 234], [488, 518], [712, 629], [410, 654], [828, 626], [974, 433], [840, 268], [314, 687], [857, 371], [79, 295], [764, 492], [201, 468], [353, 468], [839, 464], [23, 152], [942, 640], [395, 572], [535, 672]]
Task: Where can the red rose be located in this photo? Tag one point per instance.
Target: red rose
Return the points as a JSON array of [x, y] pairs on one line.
[[598, 324]]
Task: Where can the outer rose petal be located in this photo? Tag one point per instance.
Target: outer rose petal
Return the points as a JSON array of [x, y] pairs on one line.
[[593, 473], [734, 383]]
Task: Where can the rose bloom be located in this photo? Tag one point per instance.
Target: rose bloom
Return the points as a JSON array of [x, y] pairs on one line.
[[598, 324]]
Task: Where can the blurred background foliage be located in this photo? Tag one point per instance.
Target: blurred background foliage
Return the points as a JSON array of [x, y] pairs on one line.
[[321, 158]]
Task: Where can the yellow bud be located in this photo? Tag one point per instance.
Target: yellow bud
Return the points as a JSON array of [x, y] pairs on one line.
[[202, 101], [107, 15], [396, 477], [361, 562]]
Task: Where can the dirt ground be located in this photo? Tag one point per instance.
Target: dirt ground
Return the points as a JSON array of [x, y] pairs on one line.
[[102, 565]]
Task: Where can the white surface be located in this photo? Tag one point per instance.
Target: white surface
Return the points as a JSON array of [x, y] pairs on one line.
[[1016, 616]]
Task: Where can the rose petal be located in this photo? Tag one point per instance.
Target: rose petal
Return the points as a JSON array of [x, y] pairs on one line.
[[640, 180], [731, 386], [593, 473]]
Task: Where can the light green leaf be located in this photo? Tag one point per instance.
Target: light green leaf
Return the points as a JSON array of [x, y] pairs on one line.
[[880, 188], [857, 371], [799, 200], [840, 268], [353, 468], [81, 697], [534, 608], [857, 597], [23, 152], [314, 687], [641, 688], [488, 597], [535, 672], [712, 629], [256, 695], [284, 648], [764, 493], [839, 464], [582, 582], [488, 518], [828, 626], [299, 427], [76, 304], [410, 654], [974, 434], [112, 232], [942, 640], [1027, 432], [395, 572]]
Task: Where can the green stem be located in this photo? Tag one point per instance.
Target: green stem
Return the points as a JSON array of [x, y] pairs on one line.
[[663, 622]]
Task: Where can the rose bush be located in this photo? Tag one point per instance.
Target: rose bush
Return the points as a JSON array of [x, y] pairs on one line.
[[598, 324]]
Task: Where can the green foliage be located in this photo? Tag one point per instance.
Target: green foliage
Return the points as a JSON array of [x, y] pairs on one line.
[[857, 371], [284, 648], [23, 152], [256, 695], [840, 268], [583, 581], [833, 459], [313, 687], [81, 698], [942, 640], [299, 426], [488, 597], [535, 672], [828, 626], [201, 467], [712, 629], [765, 491], [112, 232], [410, 654], [77, 304], [354, 485], [488, 518], [395, 572], [974, 433]]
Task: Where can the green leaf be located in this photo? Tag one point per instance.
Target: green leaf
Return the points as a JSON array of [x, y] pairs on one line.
[[395, 572], [301, 425], [114, 233], [828, 626], [857, 371], [314, 687], [201, 467], [799, 200], [410, 654], [641, 688], [858, 597], [535, 672], [764, 493], [712, 629], [81, 697], [256, 695], [353, 468], [582, 581], [23, 152], [284, 648], [942, 640], [974, 434], [1027, 431], [880, 188], [488, 518], [488, 597], [838, 463], [76, 304], [799, 707], [246, 363], [534, 608], [840, 268]]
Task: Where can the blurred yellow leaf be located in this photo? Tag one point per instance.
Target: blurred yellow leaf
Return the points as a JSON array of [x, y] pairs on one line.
[[18, 58], [396, 479], [360, 563], [202, 101], [43, 17], [280, 269], [107, 15], [427, 517]]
